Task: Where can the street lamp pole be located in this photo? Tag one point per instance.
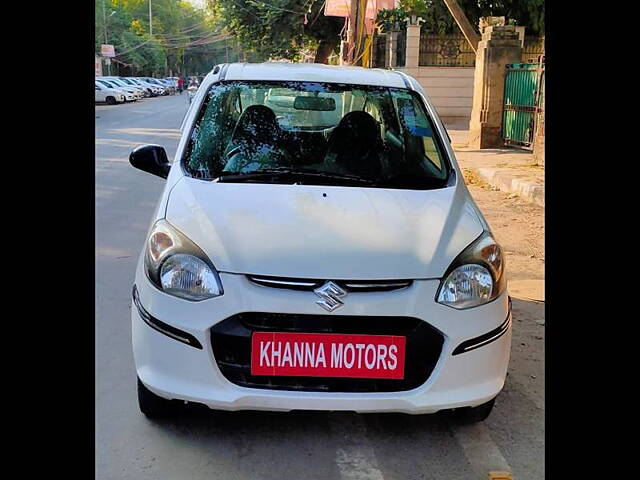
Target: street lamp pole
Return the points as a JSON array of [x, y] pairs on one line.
[[106, 40], [150, 21]]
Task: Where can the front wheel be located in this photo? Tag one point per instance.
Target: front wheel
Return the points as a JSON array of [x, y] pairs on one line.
[[152, 405], [477, 414], [111, 101]]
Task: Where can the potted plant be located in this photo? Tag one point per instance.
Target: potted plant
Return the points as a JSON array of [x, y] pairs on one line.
[[391, 19], [416, 10]]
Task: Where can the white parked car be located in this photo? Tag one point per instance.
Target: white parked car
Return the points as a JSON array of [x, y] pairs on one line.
[[164, 89], [316, 248], [108, 95], [154, 89], [135, 90], [128, 95]]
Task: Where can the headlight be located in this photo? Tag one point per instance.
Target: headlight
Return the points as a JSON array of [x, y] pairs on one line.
[[475, 277], [178, 266]]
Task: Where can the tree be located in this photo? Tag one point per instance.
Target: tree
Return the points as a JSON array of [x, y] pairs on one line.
[[280, 28], [183, 36], [438, 20], [529, 13]]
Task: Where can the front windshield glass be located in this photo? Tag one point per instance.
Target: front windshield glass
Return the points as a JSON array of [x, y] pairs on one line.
[[315, 132]]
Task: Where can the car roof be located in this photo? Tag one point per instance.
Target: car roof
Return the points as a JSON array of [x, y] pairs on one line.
[[314, 72]]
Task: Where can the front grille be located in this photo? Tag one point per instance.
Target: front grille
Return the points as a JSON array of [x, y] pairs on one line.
[[231, 343], [310, 284]]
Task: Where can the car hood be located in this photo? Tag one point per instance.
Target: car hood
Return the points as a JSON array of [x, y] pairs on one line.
[[325, 232]]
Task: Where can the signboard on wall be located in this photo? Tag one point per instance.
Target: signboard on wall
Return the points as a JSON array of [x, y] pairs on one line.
[[337, 8], [107, 50]]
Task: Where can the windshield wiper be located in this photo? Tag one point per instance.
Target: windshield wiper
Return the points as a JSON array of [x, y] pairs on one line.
[[294, 174]]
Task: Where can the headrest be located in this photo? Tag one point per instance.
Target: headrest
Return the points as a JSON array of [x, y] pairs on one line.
[[356, 133]]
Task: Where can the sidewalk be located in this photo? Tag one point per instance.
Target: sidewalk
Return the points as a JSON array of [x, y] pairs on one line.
[[508, 169]]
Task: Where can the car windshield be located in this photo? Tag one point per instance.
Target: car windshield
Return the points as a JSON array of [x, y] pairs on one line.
[[316, 133], [106, 84]]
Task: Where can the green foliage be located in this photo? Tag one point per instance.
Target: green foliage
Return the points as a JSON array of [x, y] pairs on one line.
[[414, 7], [391, 19], [438, 20], [275, 28], [178, 30], [529, 13]]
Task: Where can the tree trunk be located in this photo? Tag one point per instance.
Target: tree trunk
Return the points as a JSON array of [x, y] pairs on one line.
[[325, 49]]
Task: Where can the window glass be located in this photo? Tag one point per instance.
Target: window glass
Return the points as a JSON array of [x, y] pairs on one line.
[[382, 135]]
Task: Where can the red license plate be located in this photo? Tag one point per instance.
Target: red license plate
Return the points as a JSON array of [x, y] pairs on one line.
[[327, 355]]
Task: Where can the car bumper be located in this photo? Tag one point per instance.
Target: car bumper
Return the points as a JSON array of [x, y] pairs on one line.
[[175, 370]]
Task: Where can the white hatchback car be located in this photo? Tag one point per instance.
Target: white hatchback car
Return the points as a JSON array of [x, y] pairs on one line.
[[128, 94], [316, 248], [108, 95]]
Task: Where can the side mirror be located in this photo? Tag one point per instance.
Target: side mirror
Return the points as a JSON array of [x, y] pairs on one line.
[[151, 159]]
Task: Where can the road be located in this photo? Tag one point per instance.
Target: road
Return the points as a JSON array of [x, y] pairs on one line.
[[309, 445]]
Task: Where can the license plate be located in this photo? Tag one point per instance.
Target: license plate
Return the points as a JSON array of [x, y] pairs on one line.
[[327, 355]]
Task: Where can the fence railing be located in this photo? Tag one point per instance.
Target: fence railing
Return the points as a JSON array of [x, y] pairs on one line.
[[445, 51], [379, 47], [452, 50]]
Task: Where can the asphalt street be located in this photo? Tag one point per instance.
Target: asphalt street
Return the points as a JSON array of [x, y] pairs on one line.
[[263, 445]]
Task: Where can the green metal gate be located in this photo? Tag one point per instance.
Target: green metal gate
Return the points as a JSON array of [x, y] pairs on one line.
[[520, 98]]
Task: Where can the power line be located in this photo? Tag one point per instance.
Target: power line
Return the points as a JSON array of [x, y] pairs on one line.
[[266, 5]]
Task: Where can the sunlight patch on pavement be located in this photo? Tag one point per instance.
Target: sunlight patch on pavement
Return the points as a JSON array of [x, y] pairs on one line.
[[114, 142], [151, 132], [482, 453]]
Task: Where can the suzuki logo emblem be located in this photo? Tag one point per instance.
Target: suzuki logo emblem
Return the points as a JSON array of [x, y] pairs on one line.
[[331, 295]]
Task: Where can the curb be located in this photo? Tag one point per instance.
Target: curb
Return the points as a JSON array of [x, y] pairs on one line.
[[502, 180]]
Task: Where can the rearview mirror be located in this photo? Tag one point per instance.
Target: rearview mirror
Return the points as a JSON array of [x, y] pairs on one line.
[[322, 104], [151, 159]]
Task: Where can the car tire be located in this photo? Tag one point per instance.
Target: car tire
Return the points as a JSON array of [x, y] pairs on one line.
[[153, 406], [468, 415], [111, 101]]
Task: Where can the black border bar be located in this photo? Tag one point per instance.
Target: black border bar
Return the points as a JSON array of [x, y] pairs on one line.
[[162, 327], [485, 339]]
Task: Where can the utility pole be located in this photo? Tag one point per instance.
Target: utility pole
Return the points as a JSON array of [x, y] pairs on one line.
[[106, 40], [461, 19], [150, 21], [357, 12]]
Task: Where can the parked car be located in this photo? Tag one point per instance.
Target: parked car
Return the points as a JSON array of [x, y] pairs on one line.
[[316, 248], [168, 84], [128, 95], [147, 88], [153, 89], [136, 91], [154, 81], [131, 82], [108, 95]]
